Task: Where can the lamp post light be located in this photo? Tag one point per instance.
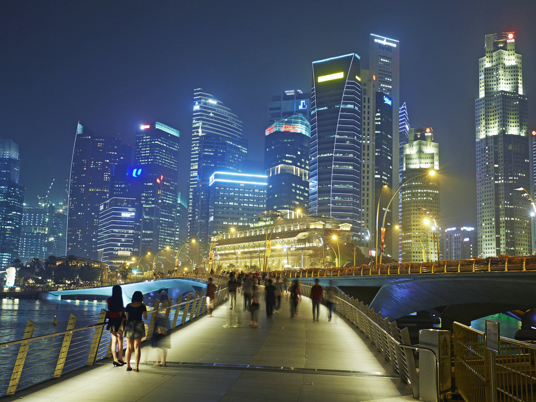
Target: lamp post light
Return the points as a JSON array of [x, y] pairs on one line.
[[377, 218], [268, 242], [335, 239], [431, 173], [369, 238], [435, 235]]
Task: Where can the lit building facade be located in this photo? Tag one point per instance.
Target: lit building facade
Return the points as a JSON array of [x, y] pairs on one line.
[[217, 145], [403, 138], [335, 170], [532, 189], [502, 152], [420, 197], [286, 160], [384, 60], [301, 242], [289, 103], [94, 156], [119, 228], [156, 164], [458, 243], [11, 202], [34, 233], [235, 200], [57, 230]]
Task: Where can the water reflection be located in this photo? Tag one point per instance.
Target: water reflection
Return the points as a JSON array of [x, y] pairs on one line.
[[509, 325]]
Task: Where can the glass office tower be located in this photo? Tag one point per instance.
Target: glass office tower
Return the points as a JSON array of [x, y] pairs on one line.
[[11, 202], [156, 164], [94, 156], [286, 160], [335, 171], [289, 103], [34, 233], [217, 145], [502, 151]]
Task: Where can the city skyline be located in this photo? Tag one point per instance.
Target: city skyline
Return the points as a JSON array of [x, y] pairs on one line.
[[448, 74]]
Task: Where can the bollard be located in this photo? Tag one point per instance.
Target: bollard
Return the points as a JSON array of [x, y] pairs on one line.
[[55, 321]]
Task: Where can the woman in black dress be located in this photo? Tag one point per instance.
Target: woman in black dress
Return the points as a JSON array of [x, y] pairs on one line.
[[135, 328], [116, 313]]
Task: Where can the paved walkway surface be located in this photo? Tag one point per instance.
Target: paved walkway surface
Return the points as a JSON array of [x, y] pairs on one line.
[[285, 359]]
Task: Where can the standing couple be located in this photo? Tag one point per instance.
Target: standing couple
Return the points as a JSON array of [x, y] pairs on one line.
[[126, 322]]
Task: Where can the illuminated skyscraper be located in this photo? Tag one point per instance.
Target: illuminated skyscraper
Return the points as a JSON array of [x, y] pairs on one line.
[[286, 160], [217, 145], [532, 189], [156, 170], [11, 202], [502, 151], [403, 135], [384, 60], [91, 168], [420, 197], [34, 233], [335, 178], [287, 104], [458, 243]]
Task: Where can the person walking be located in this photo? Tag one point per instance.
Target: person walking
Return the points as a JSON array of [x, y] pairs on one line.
[[116, 314], [316, 297], [269, 297], [255, 306], [247, 289], [136, 312], [286, 284], [295, 297], [331, 298], [278, 291], [211, 295], [232, 286]]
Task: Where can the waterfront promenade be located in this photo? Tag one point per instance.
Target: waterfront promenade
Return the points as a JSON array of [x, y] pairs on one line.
[[284, 359]]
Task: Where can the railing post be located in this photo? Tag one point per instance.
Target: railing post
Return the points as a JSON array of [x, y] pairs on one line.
[[97, 338], [177, 310], [432, 267], [410, 363], [152, 323], [186, 307], [389, 269], [409, 269], [200, 303], [21, 357], [458, 266], [473, 265], [506, 265], [194, 305], [65, 347], [398, 272], [420, 270], [489, 264], [445, 267], [524, 261]]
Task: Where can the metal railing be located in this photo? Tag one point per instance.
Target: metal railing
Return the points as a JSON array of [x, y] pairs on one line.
[[392, 342], [482, 375], [34, 359], [492, 264]]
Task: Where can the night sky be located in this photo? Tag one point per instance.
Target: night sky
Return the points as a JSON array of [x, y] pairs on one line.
[[115, 64]]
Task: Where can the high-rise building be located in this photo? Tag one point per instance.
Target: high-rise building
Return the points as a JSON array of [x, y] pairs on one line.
[[384, 60], [217, 145], [458, 243], [11, 201], [335, 171], [403, 135], [57, 230], [532, 189], [119, 228], [182, 220], [156, 172], [289, 103], [235, 200], [94, 156], [420, 197], [286, 160], [502, 152], [34, 233]]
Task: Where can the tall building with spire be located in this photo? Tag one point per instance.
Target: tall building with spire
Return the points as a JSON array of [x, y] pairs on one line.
[[11, 202], [403, 137], [335, 170], [502, 151], [217, 145]]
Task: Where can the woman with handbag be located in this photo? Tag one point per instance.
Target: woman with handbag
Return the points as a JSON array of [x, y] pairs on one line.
[[116, 313]]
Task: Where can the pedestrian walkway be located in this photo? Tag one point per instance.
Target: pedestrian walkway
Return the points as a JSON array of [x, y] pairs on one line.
[[212, 360]]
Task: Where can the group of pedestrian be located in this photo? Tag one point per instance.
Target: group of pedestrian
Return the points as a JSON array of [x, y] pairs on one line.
[[126, 322]]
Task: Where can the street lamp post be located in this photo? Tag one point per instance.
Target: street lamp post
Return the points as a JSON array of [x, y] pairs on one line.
[[377, 218], [268, 242], [335, 239], [431, 172]]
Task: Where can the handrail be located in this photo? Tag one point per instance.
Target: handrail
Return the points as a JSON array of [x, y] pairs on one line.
[[435, 359]]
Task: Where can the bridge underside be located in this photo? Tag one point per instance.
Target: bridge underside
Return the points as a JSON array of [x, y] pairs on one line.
[[460, 297], [176, 286]]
